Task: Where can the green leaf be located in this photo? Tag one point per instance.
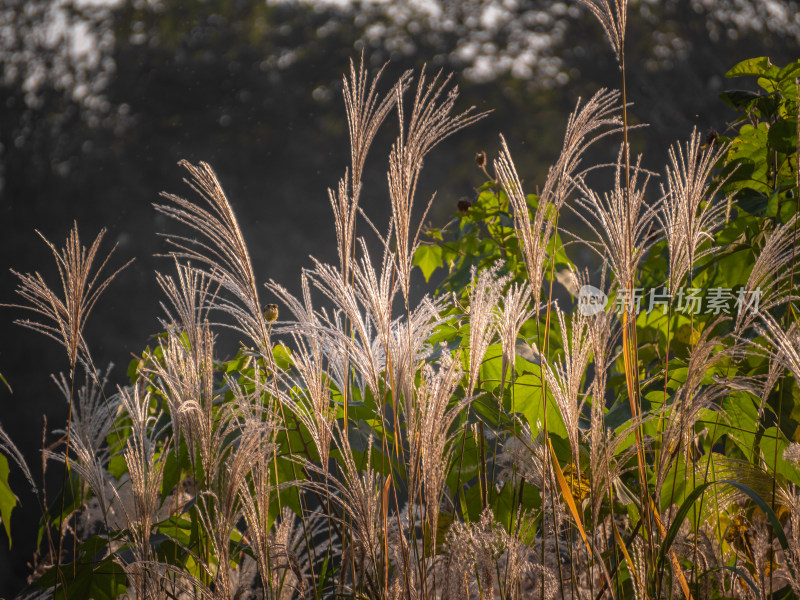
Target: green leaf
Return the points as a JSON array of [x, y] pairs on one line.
[[85, 579], [177, 462], [789, 72], [133, 369], [7, 498], [759, 67], [527, 397], [739, 98], [783, 136], [283, 356], [428, 259], [751, 201]]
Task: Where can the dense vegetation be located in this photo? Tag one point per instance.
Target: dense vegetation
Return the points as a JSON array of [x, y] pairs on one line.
[[534, 429]]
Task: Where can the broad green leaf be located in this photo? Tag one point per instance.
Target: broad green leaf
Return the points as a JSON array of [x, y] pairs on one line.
[[87, 580], [492, 367], [428, 259], [760, 66], [527, 394], [283, 356], [773, 444], [739, 98], [783, 136]]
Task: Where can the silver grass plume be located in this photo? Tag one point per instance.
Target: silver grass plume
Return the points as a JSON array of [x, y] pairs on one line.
[[431, 438], [359, 348], [288, 558], [613, 17], [317, 330], [430, 122], [92, 421], [377, 290], [785, 343], [690, 401], [481, 559], [772, 275], [585, 126], [794, 541], [622, 248], [146, 469], [603, 332], [93, 415], [527, 454], [64, 315], [365, 114], [690, 214], [409, 345], [564, 376], [221, 250], [190, 301], [774, 373], [486, 290], [509, 319], [221, 506], [255, 495], [357, 490], [184, 377], [186, 371], [9, 448], [534, 237], [308, 394]]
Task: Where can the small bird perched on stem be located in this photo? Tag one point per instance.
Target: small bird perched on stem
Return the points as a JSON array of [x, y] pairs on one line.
[[270, 312]]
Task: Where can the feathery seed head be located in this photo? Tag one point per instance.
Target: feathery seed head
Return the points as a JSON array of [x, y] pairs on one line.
[[612, 18], [65, 316]]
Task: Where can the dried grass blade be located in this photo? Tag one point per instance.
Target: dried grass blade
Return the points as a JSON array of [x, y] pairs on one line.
[[567, 493]]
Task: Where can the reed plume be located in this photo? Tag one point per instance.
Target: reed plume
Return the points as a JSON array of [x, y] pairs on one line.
[[486, 291], [770, 284], [613, 17], [564, 376], [690, 213], [365, 114], [621, 248], [221, 250], [586, 125], [64, 315], [430, 122], [509, 319]]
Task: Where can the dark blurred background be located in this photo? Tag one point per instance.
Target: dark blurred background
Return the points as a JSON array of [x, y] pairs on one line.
[[100, 99]]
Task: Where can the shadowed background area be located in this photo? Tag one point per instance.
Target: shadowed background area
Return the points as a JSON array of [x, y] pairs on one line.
[[100, 100]]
